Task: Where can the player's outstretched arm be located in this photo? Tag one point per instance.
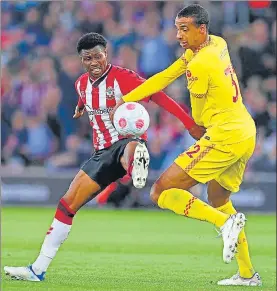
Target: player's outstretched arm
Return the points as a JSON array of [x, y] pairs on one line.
[[167, 103], [157, 82], [153, 85], [174, 108]]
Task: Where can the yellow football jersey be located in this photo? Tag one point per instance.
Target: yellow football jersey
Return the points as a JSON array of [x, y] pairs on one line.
[[214, 92], [215, 96]]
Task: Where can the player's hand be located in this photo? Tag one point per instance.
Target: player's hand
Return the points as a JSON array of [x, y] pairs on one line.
[[78, 112], [119, 102], [197, 131]]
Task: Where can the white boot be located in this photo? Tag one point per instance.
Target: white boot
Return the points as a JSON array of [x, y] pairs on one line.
[[237, 280], [140, 166], [230, 233]]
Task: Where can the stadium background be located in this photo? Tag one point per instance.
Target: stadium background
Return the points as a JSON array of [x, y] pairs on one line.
[[42, 146]]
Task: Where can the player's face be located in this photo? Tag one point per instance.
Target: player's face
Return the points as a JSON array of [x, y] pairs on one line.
[[94, 61], [190, 35]]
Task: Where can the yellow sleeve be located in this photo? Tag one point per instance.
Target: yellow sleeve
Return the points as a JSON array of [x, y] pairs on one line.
[[157, 82], [198, 80]]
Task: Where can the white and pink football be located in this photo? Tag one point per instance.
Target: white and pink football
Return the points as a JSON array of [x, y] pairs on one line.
[[131, 118]]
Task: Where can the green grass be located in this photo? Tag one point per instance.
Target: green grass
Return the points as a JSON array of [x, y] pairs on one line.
[[132, 251]]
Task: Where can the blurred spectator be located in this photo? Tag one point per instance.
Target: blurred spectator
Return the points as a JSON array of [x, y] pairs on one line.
[[256, 46], [128, 58], [40, 66], [76, 151], [69, 73], [17, 139], [153, 46], [50, 105]]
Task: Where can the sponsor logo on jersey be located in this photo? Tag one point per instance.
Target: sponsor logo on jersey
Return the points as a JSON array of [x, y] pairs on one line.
[[99, 111], [190, 78]]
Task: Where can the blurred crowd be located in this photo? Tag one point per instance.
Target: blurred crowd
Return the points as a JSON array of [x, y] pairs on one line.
[[40, 65]]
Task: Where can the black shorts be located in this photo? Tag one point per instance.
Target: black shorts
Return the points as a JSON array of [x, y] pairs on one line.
[[104, 166]]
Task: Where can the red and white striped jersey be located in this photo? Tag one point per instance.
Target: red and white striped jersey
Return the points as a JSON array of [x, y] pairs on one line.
[[100, 96]]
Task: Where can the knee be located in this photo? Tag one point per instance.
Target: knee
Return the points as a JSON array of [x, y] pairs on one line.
[[217, 201], [212, 201], [155, 192]]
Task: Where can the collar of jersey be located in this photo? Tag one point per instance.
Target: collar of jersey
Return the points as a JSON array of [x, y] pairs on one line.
[[204, 44], [97, 81]]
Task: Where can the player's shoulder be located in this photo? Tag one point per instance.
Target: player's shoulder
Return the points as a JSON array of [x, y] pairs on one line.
[[124, 72], [211, 54], [83, 77], [217, 41], [214, 50]]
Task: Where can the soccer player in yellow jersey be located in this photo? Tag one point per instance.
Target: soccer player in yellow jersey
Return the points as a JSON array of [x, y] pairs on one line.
[[219, 157]]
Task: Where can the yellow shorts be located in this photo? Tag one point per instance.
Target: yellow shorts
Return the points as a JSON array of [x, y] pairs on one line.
[[205, 161]]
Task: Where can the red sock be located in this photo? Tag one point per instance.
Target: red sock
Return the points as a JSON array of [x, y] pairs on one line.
[[103, 196], [64, 213], [125, 179], [130, 166]]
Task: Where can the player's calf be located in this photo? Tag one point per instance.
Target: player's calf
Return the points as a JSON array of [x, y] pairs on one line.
[[55, 236], [80, 189], [173, 177], [155, 192]]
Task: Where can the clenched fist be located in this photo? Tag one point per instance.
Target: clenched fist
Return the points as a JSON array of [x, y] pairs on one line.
[[197, 131], [78, 112]]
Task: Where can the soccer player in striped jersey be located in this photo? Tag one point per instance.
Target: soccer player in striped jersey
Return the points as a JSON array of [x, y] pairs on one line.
[[98, 91], [219, 158]]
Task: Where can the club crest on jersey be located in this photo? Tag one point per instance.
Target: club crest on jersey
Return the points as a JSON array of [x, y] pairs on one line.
[[83, 94], [110, 93]]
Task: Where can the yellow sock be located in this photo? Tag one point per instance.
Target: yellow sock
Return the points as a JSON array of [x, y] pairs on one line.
[[184, 203], [243, 258]]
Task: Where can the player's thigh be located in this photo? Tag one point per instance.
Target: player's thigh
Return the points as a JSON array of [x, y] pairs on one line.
[[232, 177], [104, 166], [173, 177], [205, 161], [80, 190], [97, 173]]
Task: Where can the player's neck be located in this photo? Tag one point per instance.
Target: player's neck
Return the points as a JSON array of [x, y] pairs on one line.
[[92, 79], [205, 43]]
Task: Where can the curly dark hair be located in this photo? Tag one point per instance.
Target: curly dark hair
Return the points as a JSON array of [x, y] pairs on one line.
[[199, 13], [90, 40]]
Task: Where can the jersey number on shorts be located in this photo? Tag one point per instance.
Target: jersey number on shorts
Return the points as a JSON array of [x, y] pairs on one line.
[[229, 71], [196, 150]]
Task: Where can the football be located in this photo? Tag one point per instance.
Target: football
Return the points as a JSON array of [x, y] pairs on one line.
[[131, 118]]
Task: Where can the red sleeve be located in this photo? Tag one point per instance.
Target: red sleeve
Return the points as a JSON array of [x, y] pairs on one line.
[[128, 80], [174, 108], [80, 103]]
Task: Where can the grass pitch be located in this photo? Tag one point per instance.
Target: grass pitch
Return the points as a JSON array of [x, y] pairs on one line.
[[135, 250]]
